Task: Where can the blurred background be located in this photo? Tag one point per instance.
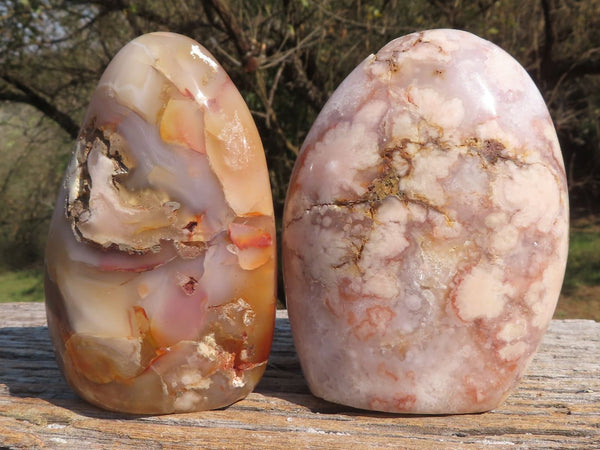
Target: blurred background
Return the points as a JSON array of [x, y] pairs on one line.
[[286, 57]]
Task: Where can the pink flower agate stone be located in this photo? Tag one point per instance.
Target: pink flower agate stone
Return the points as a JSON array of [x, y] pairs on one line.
[[160, 264], [426, 229]]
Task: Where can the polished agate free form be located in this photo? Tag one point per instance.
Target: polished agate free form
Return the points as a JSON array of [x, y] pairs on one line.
[[160, 264], [425, 229]]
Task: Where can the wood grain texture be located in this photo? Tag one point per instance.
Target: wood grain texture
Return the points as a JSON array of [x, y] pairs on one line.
[[557, 404]]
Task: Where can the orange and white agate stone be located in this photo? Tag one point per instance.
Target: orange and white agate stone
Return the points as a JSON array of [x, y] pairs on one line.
[[160, 264], [426, 229]]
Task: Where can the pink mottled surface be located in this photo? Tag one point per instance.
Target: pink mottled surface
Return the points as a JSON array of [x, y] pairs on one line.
[[160, 265], [425, 230]]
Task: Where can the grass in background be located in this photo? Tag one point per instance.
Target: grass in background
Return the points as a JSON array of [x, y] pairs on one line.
[[22, 286], [580, 297]]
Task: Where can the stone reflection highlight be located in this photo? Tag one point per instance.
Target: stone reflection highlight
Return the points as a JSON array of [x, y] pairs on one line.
[[160, 264], [426, 229]]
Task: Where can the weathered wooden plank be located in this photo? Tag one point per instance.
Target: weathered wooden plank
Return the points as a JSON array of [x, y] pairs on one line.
[[557, 404]]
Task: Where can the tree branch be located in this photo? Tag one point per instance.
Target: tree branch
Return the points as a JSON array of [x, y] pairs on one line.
[[234, 30], [580, 68], [315, 96], [30, 97], [546, 50]]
